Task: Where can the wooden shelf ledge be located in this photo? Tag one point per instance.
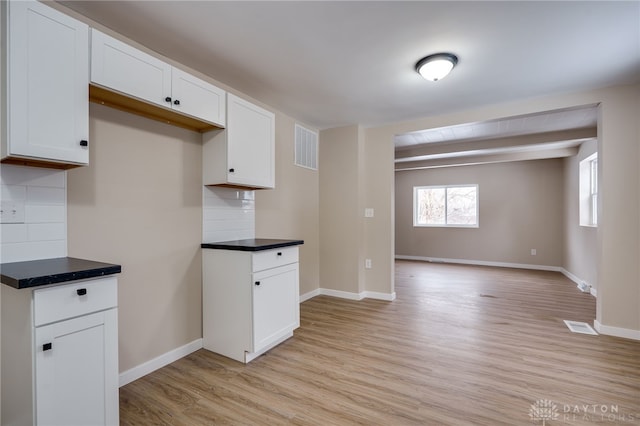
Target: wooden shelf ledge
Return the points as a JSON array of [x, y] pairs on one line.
[[102, 96]]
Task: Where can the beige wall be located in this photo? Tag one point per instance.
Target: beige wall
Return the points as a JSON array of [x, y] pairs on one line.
[[379, 230], [291, 210], [139, 204], [581, 242], [619, 209], [340, 157], [355, 168], [618, 305], [520, 208]]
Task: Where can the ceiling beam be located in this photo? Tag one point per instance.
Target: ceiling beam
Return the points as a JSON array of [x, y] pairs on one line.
[[488, 159], [440, 148]]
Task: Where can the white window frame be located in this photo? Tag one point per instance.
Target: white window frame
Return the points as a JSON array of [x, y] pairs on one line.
[[588, 191], [593, 193], [416, 189]]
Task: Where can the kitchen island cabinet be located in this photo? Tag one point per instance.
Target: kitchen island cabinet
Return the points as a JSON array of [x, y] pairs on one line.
[[250, 293]]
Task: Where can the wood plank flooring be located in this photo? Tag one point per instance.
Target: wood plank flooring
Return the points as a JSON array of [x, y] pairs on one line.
[[461, 345]]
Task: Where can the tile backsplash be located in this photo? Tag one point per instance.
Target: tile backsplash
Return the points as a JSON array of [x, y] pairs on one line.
[[227, 214], [43, 233]]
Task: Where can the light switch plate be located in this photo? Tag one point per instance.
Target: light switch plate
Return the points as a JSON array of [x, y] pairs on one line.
[[12, 211], [368, 212]]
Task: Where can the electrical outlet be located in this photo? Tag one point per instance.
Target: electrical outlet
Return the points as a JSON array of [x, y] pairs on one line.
[[534, 252], [12, 211], [367, 263]]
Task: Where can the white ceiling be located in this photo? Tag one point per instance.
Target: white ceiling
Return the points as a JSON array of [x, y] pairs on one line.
[[330, 64]]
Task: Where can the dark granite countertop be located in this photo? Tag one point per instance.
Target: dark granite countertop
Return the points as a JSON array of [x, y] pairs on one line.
[[51, 271], [252, 244]]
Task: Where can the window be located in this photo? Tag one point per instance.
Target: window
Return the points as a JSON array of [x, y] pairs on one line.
[[589, 191], [593, 193], [450, 205]]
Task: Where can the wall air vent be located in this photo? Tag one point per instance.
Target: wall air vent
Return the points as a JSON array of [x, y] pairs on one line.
[[306, 148]]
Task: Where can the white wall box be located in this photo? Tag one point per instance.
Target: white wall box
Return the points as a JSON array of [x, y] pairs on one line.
[[127, 78], [45, 57], [250, 300], [60, 354], [243, 154]]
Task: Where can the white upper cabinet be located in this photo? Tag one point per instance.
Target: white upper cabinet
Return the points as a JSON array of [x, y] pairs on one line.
[[120, 67], [47, 77], [197, 98], [251, 133], [243, 154]]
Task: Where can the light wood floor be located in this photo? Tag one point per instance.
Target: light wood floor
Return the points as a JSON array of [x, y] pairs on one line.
[[460, 345]]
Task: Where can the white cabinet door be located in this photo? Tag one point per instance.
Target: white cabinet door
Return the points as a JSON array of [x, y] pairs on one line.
[[123, 68], [275, 305], [47, 90], [76, 363], [251, 144], [197, 98], [120, 67]]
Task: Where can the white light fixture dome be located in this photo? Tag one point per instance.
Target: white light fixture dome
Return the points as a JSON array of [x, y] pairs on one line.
[[437, 66]]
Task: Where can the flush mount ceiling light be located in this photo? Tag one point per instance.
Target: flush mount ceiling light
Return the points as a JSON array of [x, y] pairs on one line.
[[436, 67]]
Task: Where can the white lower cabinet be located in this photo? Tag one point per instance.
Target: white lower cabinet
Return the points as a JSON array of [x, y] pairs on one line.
[[74, 376], [65, 370], [275, 298], [251, 300]]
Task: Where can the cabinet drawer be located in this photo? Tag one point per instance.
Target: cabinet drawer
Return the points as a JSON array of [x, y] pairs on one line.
[[273, 258], [71, 300]]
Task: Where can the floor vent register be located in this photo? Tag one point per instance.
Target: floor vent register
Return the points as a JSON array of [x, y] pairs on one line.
[[580, 327]]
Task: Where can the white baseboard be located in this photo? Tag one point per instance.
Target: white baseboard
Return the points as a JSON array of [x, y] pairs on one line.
[[309, 295], [627, 333], [348, 295], [578, 280], [380, 296], [566, 273], [571, 276], [341, 294], [481, 263], [158, 362]]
